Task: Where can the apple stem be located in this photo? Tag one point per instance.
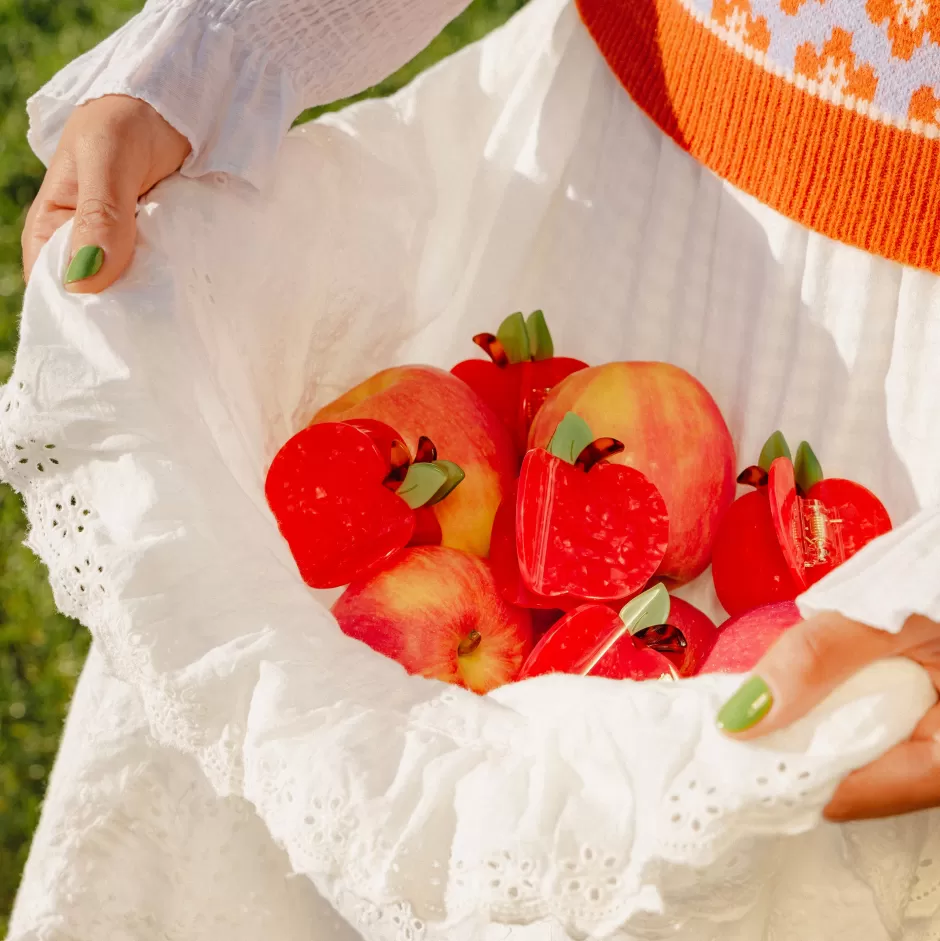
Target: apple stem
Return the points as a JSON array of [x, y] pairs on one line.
[[469, 644], [597, 451], [493, 348], [753, 476], [426, 452]]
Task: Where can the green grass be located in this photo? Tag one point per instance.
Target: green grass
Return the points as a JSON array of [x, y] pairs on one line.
[[41, 652]]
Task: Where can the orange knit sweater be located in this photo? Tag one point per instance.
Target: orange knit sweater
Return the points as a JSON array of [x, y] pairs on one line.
[[827, 110]]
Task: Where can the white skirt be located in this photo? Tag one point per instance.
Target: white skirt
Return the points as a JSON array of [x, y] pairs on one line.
[[234, 767]]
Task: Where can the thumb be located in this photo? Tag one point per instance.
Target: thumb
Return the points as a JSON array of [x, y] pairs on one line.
[[805, 665], [105, 223]]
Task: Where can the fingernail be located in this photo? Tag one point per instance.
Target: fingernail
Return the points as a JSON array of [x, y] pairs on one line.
[[746, 707], [87, 262]]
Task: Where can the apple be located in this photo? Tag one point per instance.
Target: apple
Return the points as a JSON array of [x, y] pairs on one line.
[[346, 497], [595, 640], [795, 527], [522, 370], [423, 401], [437, 612], [743, 640], [672, 432], [585, 527]]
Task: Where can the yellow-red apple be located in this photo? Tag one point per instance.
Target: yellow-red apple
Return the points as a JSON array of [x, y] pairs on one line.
[[672, 431], [422, 400], [438, 613]]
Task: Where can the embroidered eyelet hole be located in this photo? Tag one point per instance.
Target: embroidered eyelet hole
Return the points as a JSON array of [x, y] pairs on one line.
[[696, 825], [782, 767], [49, 447], [513, 892], [587, 853], [594, 895], [711, 810], [73, 502], [18, 447], [676, 818], [803, 775], [610, 862], [762, 781], [574, 885]]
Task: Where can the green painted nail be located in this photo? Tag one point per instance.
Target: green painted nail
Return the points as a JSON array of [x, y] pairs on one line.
[[746, 707], [87, 262]]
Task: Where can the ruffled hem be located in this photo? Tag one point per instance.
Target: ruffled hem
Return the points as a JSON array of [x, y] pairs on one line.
[[233, 102]]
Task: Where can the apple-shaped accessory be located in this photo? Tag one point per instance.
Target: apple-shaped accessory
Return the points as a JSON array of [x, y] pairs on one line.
[[595, 640], [795, 527], [585, 527], [520, 373], [345, 498]]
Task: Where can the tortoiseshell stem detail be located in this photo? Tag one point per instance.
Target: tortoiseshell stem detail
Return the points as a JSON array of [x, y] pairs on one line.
[[753, 476], [427, 452], [598, 450], [492, 347]]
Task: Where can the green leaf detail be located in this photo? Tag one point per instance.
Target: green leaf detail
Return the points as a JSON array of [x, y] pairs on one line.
[[571, 437], [513, 336], [775, 447], [540, 337], [806, 467], [421, 484], [454, 474], [646, 610]]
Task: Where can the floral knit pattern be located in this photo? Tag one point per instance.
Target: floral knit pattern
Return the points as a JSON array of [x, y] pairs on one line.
[[882, 52], [835, 67]]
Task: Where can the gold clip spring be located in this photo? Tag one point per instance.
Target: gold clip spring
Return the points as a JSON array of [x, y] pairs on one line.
[[822, 535]]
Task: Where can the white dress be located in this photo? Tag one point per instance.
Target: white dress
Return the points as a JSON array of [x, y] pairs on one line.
[[232, 763]]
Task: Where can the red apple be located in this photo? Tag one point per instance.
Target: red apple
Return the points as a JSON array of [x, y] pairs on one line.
[[437, 612], [595, 640], [422, 400], [522, 370], [672, 432], [743, 640], [795, 528], [344, 502], [585, 527]]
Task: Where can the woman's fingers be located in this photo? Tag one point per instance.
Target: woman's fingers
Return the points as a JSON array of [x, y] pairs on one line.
[[105, 225], [805, 665], [904, 780], [112, 150], [53, 206]]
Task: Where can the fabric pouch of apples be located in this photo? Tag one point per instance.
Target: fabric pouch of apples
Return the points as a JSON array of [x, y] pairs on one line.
[[347, 496], [793, 529], [654, 636], [585, 527], [522, 370]]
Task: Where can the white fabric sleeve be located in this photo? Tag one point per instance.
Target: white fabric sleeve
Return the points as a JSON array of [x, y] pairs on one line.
[[891, 579], [232, 75]]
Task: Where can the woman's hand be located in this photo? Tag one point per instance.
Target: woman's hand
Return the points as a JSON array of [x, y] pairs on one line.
[[112, 151], [809, 662]]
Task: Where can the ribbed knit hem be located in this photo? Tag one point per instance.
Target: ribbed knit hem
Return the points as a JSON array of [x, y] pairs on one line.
[[823, 163]]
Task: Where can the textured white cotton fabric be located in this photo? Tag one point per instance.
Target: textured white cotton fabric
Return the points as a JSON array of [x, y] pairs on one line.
[[232, 75], [233, 762]]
